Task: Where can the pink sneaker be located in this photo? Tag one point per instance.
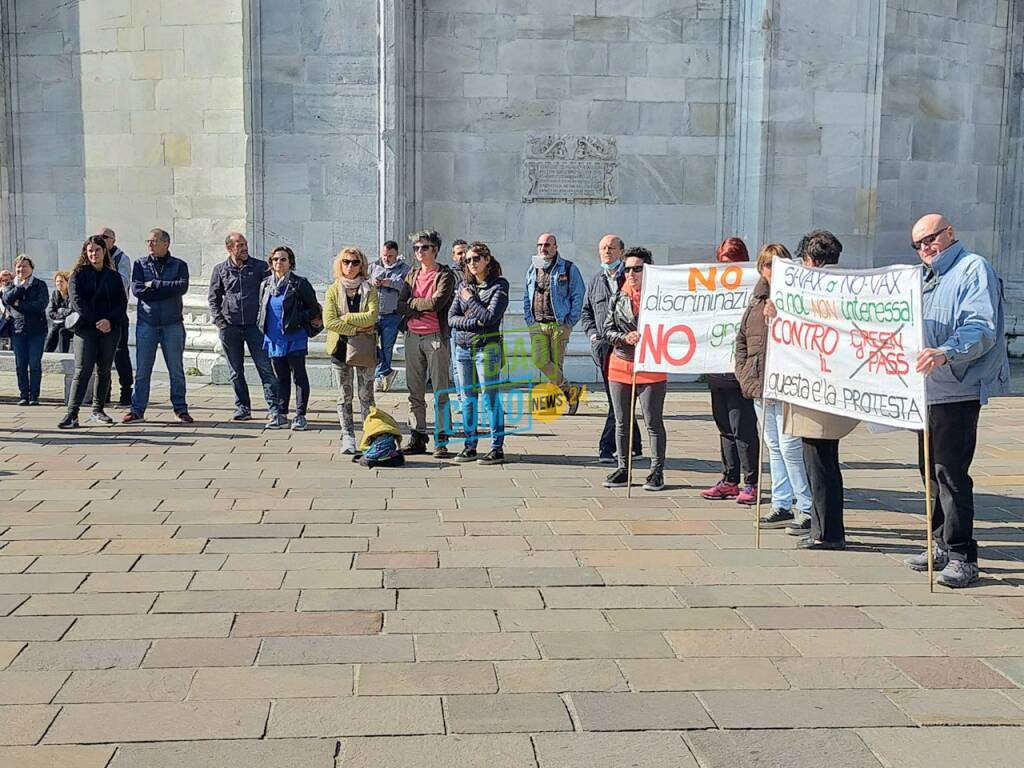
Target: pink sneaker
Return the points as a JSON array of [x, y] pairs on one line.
[[722, 490], [748, 495]]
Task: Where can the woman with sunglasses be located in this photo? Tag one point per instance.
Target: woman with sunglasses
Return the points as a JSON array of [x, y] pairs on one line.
[[620, 331], [475, 315], [289, 314], [350, 317]]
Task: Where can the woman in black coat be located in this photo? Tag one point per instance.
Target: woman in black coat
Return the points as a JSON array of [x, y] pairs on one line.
[[96, 294], [59, 338], [25, 298]]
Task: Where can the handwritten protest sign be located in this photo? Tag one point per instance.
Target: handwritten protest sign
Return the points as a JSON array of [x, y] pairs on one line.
[[846, 342], [689, 315]]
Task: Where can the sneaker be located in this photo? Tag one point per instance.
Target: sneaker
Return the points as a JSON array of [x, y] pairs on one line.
[[348, 445], [131, 417], [465, 456], [299, 424], [606, 459], [184, 417], [655, 481], [99, 417], [387, 380], [494, 456], [801, 525], [242, 414], [920, 562], [958, 574], [748, 495], [777, 518], [441, 451], [69, 422], [34, 402], [722, 490], [616, 479], [808, 543], [277, 422], [23, 401]]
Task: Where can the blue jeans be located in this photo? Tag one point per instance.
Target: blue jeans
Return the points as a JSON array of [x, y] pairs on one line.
[[479, 372], [234, 339], [786, 458], [171, 339], [28, 360], [387, 329]]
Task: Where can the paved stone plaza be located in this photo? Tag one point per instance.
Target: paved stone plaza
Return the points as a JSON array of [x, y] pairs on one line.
[[219, 596]]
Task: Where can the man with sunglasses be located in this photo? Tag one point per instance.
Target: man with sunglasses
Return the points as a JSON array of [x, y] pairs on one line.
[[552, 305], [966, 363], [234, 299], [426, 296]]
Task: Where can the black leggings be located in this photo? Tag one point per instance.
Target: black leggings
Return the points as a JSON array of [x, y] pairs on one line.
[[93, 351], [737, 428], [285, 368]]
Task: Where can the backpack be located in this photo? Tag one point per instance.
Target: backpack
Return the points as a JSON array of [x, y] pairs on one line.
[[383, 452]]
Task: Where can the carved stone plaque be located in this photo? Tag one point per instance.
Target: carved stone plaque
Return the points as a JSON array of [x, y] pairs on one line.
[[570, 169]]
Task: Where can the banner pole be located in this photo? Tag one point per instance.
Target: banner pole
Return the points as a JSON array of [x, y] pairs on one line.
[[632, 421], [760, 476], [928, 507]]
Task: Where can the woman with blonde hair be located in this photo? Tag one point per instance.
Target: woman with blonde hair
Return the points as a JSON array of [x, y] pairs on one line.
[[350, 317], [59, 338]]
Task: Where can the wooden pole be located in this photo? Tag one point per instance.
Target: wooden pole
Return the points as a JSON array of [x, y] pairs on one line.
[[632, 421], [760, 475], [928, 507]]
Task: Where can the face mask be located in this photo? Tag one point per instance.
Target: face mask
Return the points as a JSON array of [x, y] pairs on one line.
[[613, 266], [540, 262]]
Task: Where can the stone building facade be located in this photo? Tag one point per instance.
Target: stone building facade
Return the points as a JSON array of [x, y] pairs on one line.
[[323, 123]]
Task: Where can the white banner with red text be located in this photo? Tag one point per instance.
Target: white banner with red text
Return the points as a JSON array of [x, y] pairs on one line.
[[689, 315], [846, 341]]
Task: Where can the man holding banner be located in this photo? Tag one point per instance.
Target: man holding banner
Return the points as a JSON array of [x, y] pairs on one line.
[[966, 364]]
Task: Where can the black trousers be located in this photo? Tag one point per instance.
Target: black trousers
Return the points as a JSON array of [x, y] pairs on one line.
[[285, 368], [606, 447], [123, 363], [93, 350], [737, 428], [821, 458], [953, 436]]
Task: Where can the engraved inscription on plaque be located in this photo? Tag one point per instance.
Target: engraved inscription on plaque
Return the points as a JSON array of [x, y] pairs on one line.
[[570, 169]]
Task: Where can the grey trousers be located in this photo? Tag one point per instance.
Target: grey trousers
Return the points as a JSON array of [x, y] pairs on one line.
[[652, 402], [428, 355], [343, 382]]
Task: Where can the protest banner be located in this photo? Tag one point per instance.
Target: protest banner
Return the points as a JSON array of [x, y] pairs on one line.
[[689, 315], [846, 342]]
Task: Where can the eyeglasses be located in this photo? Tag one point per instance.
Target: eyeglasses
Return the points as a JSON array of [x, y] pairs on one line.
[[924, 242], [423, 247], [474, 259], [350, 262], [639, 268]]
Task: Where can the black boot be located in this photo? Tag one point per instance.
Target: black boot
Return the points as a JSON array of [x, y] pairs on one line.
[[416, 444], [70, 421]]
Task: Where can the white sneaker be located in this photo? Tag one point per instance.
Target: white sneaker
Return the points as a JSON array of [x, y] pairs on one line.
[[348, 445], [299, 424]]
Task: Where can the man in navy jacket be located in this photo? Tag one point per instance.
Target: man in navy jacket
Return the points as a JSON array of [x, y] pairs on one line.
[[158, 282]]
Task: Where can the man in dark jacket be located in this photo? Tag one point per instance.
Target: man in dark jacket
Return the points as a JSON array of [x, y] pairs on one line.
[[602, 288], [158, 282], [122, 357], [234, 298]]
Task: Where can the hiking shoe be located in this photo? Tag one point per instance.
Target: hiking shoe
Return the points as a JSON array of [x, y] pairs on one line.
[[348, 444], [69, 422], [919, 562], [465, 456], [494, 456], [242, 414], [299, 424], [616, 479], [184, 417], [958, 574], [801, 525], [748, 495], [131, 417], [99, 417], [777, 518], [655, 481], [722, 490], [415, 445]]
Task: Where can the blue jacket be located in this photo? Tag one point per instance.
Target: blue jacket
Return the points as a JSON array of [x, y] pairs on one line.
[[160, 304], [478, 319], [27, 306], [963, 316], [567, 292]]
